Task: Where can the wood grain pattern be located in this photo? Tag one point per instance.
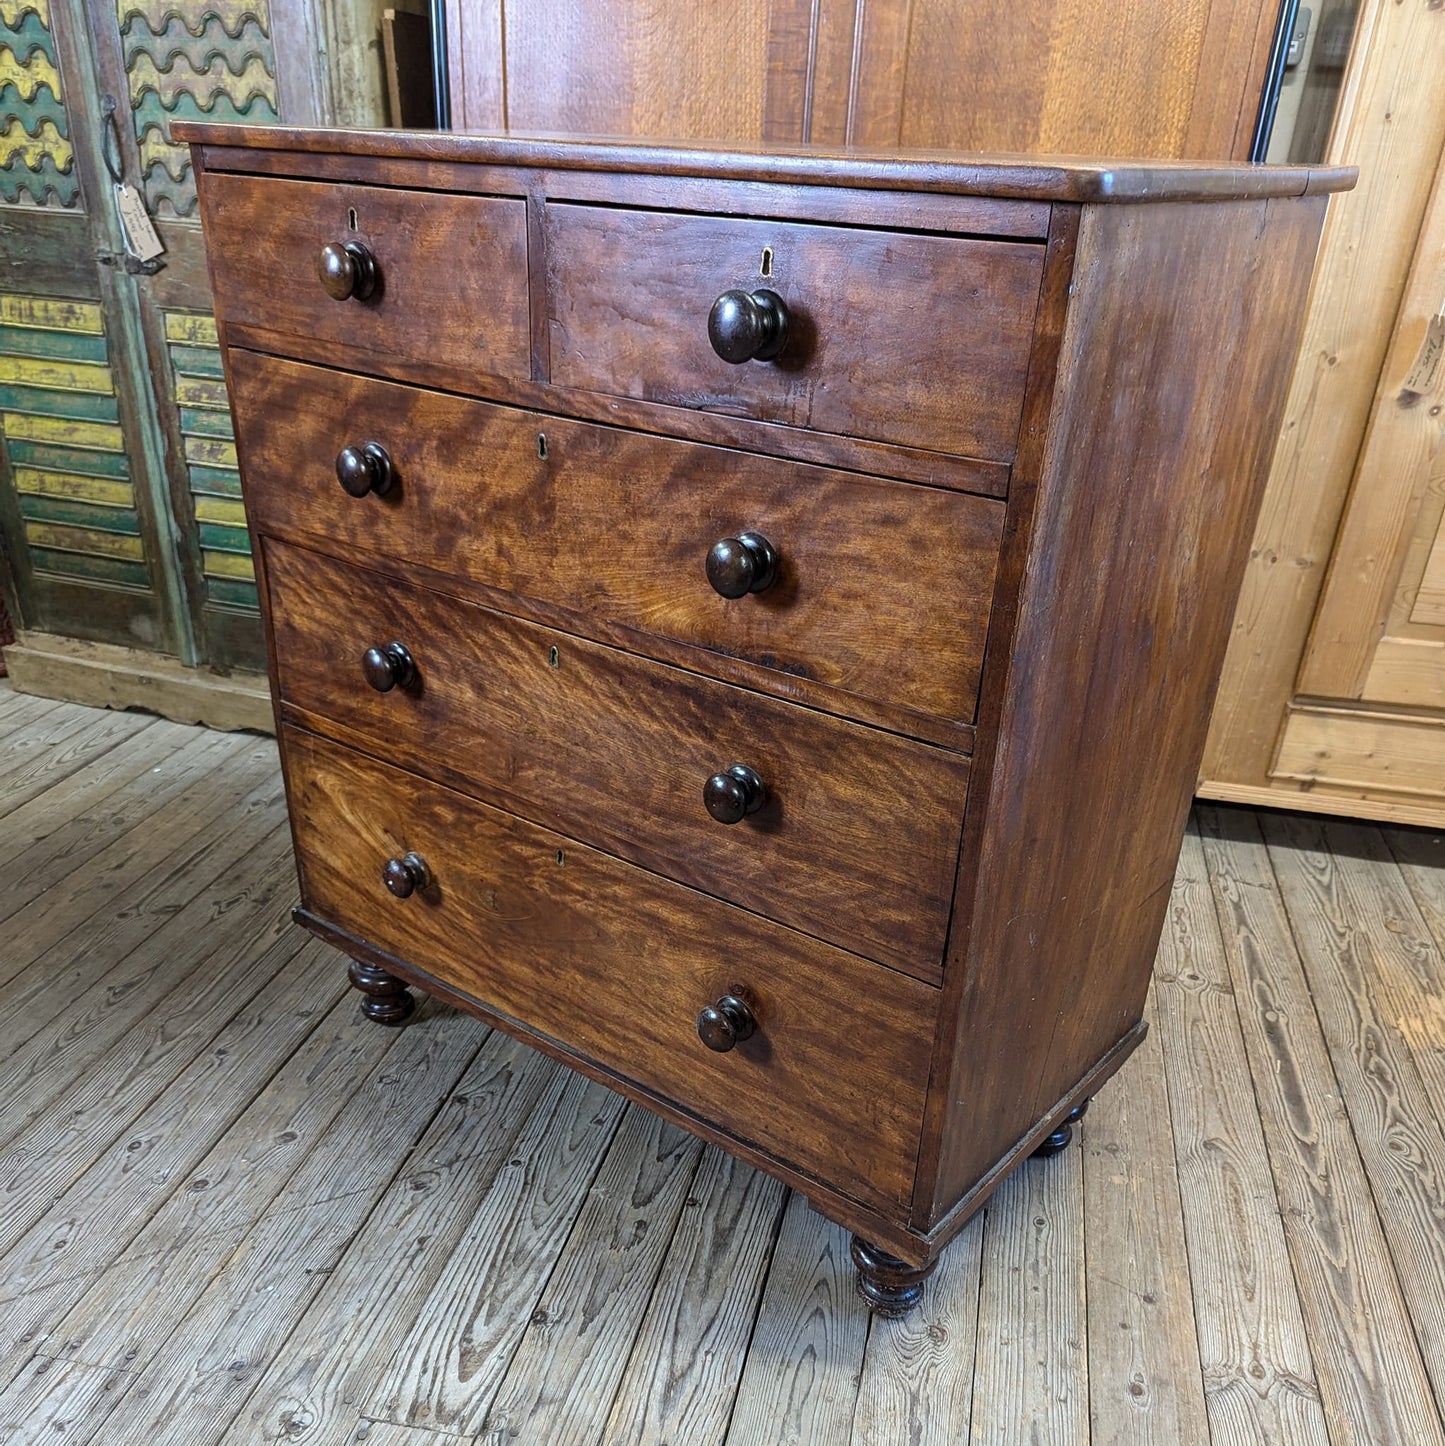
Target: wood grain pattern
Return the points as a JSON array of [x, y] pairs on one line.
[[682, 1372], [615, 527], [919, 340], [1254, 1350], [1016, 177], [1145, 1384], [856, 841], [555, 945], [1368, 1376], [1135, 668], [263, 238], [488, 1302]]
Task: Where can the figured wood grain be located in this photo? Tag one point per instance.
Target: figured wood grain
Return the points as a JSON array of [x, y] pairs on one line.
[[526, 918], [1145, 1384], [1115, 651], [1254, 1353], [561, 1382], [920, 340], [1031, 1368], [683, 1369], [1370, 966], [446, 1371], [856, 841], [613, 526], [800, 1384], [263, 238], [1370, 1369]]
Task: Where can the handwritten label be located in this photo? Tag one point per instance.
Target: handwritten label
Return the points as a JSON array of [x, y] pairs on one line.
[[1421, 377], [141, 239]]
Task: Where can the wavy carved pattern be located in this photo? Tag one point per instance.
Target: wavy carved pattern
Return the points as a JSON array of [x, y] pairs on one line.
[[192, 58], [37, 160]]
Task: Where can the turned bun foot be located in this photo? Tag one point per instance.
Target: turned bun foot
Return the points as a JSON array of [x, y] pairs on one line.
[[891, 1286], [1058, 1141], [387, 1000]]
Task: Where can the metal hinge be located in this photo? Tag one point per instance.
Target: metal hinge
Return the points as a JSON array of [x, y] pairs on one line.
[[128, 263]]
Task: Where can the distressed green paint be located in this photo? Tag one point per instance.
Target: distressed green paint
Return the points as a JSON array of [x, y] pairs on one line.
[[196, 423], [219, 538], [215, 482], [80, 514], [43, 403], [232, 592], [69, 459], [79, 566], [21, 341], [196, 361]]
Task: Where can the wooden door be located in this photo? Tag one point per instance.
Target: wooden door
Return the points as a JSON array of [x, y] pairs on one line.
[[1087, 77], [120, 511], [82, 523], [1370, 706]]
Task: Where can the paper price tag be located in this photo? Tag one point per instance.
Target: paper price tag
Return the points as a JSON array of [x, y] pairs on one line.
[[1421, 377], [141, 239]]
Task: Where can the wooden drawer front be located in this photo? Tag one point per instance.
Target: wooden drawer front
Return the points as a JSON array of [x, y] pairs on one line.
[[616, 963], [919, 340], [884, 587], [858, 841], [453, 270]]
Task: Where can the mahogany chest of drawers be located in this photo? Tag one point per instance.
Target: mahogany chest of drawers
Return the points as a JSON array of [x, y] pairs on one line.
[[747, 623]]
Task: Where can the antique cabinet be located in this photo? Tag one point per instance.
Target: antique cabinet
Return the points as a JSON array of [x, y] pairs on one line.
[[746, 622]]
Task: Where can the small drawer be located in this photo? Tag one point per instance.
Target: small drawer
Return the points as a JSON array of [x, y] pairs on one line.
[[448, 273], [882, 589], [616, 965], [854, 836], [907, 338]]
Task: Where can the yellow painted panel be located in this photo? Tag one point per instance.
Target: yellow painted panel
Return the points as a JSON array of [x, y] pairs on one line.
[[56, 376], [211, 451], [12, 12], [188, 327], [105, 491], [201, 392], [46, 315], [221, 509], [104, 436], [83, 539], [27, 74], [227, 564], [217, 79], [231, 13]]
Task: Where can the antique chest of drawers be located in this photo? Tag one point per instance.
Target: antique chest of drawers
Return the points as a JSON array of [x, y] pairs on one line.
[[747, 623]]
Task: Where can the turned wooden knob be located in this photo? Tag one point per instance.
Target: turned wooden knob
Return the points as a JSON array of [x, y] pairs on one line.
[[748, 326], [739, 565], [364, 469], [347, 269], [722, 1025], [389, 666], [733, 794], [404, 876]]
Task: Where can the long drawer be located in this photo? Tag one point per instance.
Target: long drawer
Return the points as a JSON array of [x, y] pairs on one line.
[[450, 272], [617, 964], [856, 837], [899, 337], [882, 589]]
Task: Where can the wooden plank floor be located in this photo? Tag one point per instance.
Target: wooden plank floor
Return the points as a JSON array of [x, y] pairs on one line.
[[232, 1211]]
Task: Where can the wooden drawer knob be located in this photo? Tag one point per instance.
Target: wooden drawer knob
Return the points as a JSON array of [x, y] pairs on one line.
[[389, 666], [347, 270], [748, 326], [364, 469], [733, 794], [722, 1025], [404, 876], [739, 565]]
